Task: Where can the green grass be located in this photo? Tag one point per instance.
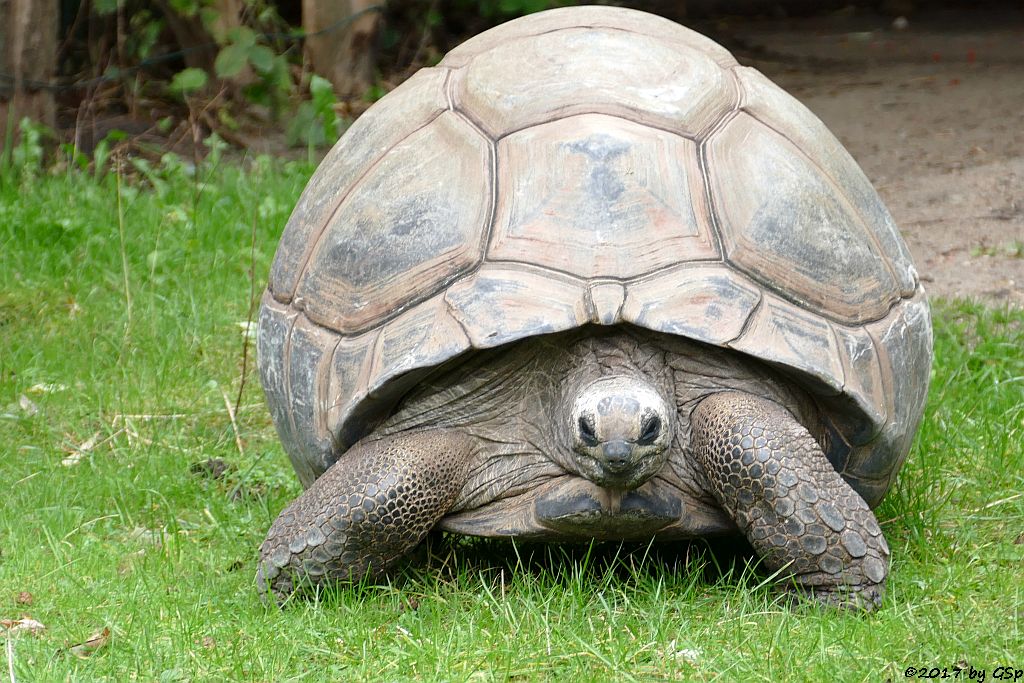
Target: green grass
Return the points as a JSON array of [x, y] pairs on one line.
[[119, 330]]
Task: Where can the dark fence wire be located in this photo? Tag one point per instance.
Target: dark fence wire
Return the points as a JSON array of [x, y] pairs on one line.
[[8, 81]]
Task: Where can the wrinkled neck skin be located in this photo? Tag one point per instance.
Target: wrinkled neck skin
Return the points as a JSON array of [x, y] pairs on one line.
[[518, 400]]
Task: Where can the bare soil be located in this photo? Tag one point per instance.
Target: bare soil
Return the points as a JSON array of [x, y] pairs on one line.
[[934, 113]]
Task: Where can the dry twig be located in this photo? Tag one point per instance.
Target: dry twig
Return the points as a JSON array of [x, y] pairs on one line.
[[252, 310], [234, 424]]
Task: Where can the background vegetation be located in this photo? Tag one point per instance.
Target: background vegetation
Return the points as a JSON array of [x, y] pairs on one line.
[[260, 74], [153, 75]]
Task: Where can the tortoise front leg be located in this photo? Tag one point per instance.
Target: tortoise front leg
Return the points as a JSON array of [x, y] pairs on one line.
[[367, 510], [773, 479]]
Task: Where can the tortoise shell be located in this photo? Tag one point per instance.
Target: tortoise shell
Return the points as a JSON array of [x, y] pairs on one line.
[[592, 165]]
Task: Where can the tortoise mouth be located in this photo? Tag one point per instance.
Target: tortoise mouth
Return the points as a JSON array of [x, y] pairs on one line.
[[617, 465]]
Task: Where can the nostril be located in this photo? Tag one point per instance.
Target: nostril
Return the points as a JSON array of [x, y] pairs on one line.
[[617, 455]]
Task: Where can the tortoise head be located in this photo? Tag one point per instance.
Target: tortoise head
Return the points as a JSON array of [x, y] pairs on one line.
[[622, 427]]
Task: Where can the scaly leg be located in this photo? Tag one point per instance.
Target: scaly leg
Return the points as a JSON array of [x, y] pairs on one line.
[[772, 478], [369, 509]]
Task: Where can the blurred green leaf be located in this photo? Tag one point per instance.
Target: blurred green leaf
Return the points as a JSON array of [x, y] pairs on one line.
[[242, 35], [188, 80], [321, 89], [324, 100], [186, 8], [262, 58], [210, 18], [303, 128], [103, 7], [231, 60]]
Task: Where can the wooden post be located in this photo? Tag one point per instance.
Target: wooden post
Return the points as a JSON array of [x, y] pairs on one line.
[[341, 42], [28, 57]]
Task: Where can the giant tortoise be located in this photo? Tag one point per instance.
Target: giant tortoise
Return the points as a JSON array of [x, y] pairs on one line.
[[589, 278]]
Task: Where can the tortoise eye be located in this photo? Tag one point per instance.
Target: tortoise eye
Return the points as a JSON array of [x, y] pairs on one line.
[[652, 428], [587, 434]]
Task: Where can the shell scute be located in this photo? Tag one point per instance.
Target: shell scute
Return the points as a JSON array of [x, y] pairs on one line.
[[593, 16], [781, 111], [598, 195], [525, 82], [311, 349], [904, 344], [863, 383], [273, 331], [709, 303], [500, 304], [409, 106], [348, 384], [795, 233], [415, 220], [788, 336], [423, 337], [606, 300]]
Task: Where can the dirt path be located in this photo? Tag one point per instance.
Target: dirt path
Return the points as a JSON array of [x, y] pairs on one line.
[[934, 113]]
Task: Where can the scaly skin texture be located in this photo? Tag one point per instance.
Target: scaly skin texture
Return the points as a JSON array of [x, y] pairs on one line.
[[772, 478], [368, 510]]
